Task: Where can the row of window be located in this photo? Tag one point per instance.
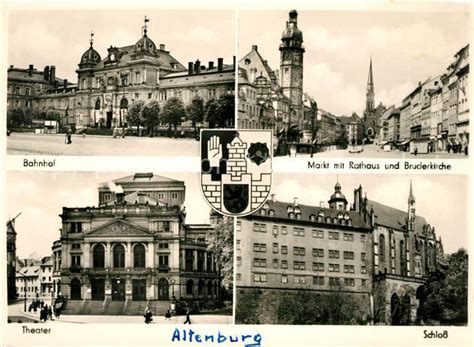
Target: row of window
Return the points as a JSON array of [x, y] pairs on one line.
[[317, 280], [301, 251], [301, 265], [298, 231]]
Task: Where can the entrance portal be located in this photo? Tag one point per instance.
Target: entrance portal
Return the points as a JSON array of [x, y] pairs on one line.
[[97, 289], [139, 290], [109, 119], [75, 289], [163, 290], [118, 289]]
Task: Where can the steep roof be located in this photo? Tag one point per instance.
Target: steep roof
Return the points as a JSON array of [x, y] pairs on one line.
[[29, 271], [394, 218], [144, 177]]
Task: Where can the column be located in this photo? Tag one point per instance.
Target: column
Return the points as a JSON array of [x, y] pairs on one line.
[[87, 255], [128, 255], [183, 260], [108, 262], [150, 255], [204, 266], [195, 253]]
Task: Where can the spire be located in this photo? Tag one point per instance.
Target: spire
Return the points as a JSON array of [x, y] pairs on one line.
[[370, 79], [411, 197], [145, 26], [92, 38]]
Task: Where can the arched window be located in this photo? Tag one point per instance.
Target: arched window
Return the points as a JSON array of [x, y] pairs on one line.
[[97, 104], [382, 248], [312, 218], [98, 255], [139, 256], [119, 256], [189, 287], [402, 258]]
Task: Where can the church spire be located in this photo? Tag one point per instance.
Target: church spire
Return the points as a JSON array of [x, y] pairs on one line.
[[411, 210], [370, 79], [370, 95], [411, 197]]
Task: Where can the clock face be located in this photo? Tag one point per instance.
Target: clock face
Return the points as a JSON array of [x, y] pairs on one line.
[[112, 57]]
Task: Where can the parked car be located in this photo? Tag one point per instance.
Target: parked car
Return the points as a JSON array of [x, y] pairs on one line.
[[356, 149]]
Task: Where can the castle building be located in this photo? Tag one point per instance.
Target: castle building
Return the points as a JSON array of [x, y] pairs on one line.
[[377, 254], [135, 246]]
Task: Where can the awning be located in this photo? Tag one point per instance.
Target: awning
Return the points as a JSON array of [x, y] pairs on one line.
[[383, 143], [405, 142]]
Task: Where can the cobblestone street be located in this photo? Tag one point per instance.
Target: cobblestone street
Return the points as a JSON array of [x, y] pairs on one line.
[[54, 144]]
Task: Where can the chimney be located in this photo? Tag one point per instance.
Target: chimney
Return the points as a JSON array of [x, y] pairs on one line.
[[30, 70], [162, 47], [65, 83], [46, 73], [211, 65], [190, 68], [233, 62], [52, 76], [197, 66], [254, 48], [273, 197], [295, 201], [220, 64]]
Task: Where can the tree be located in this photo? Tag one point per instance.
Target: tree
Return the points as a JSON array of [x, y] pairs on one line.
[[172, 112], [196, 111], [151, 114], [222, 246], [221, 112], [444, 296], [135, 114], [16, 118]]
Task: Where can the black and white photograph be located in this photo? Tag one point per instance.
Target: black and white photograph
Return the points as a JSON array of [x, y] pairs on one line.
[[373, 84], [87, 247], [118, 82], [355, 250]]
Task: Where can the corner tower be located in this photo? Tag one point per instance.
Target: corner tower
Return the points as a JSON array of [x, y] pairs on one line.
[[291, 67]]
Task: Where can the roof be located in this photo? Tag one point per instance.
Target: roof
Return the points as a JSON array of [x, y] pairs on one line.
[[132, 198], [145, 177], [29, 271], [394, 218], [306, 211], [176, 79]]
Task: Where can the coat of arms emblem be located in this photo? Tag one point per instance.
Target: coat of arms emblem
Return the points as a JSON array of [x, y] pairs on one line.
[[236, 169]]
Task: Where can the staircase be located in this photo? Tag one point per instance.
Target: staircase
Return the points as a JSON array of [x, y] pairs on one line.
[[158, 308], [72, 307], [115, 308]]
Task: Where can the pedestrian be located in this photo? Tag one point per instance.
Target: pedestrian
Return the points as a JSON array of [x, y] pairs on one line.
[[57, 312], [466, 148], [50, 312], [188, 319], [415, 150], [148, 316], [68, 136], [168, 315]]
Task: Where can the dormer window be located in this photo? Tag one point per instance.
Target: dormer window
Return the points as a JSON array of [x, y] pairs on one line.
[[328, 219], [340, 215], [321, 213], [291, 215], [297, 209], [262, 212], [312, 218], [346, 216], [298, 216], [266, 206], [271, 213], [289, 209], [334, 220], [349, 222], [320, 219]]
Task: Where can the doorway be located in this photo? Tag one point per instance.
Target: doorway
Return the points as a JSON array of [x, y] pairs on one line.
[[163, 290], [97, 289], [118, 289], [75, 289], [139, 290]]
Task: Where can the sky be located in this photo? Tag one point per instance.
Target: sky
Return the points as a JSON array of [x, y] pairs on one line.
[[441, 199], [60, 37], [406, 47], [38, 225]]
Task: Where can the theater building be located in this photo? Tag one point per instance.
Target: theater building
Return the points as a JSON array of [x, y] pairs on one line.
[[135, 246], [379, 255]]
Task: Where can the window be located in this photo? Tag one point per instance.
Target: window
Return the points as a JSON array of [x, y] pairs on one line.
[[284, 264], [259, 277], [275, 230], [363, 256], [260, 247], [364, 283], [174, 196], [119, 256], [333, 235], [27, 91], [137, 95], [333, 281], [348, 237], [284, 279], [163, 246], [349, 269], [76, 246], [137, 77], [259, 227], [319, 234], [363, 269], [382, 248], [98, 257], [238, 277], [150, 95], [318, 266], [299, 251], [76, 227], [238, 244], [318, 252], [349, 282], [299, 279], [334, 254], [75, 260], [318, 280], [139, 256], [284, 230], [284, 249], [275, 263], [259, 262], [164, 227], [349, 255], [298, 231], [299, 265], [275, 247], [362, 238], [163, 261], [333, 268], [239, 226], [239, 261]]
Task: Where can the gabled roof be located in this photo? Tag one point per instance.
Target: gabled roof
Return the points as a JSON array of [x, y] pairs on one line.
[[29, 271], [144, 177], [132, 198], [394, 218], [119, 228]]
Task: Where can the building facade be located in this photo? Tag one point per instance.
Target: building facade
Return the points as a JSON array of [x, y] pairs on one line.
[[379, 255], [11, 260], [136, 246]]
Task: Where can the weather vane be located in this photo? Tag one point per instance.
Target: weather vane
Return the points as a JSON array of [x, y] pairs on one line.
[[145, 27], [92, 38]]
